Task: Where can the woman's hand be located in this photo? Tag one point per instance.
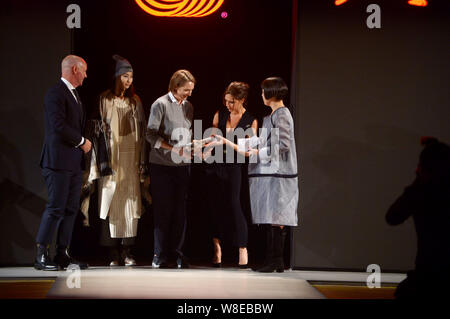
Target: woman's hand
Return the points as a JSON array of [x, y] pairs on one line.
[[217, 140], [252, 152], [182, 152], [197, 147], [206, 154]]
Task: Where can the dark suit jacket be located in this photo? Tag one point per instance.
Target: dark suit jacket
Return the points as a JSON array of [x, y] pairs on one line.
[[64, 126]]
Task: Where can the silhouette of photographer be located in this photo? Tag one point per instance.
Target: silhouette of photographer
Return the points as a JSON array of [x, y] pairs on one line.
[[427, 200]]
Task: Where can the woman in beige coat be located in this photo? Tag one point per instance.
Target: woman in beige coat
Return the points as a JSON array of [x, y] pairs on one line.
[[120, 204]]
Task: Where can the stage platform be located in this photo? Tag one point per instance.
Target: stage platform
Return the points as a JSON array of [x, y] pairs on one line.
[[195, 283]]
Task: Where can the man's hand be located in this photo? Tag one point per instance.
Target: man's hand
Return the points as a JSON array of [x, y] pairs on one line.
[[86, 147]]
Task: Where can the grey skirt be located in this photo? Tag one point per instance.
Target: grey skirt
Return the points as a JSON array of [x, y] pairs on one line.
[[274, 200]]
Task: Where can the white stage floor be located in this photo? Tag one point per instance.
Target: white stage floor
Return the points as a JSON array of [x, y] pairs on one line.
[[316, 276], [195, 283]]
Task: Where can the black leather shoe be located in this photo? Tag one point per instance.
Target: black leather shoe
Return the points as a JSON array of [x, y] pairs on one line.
[[182, 263], [63, 260], [42, 260], [275, 265], [159, 263]]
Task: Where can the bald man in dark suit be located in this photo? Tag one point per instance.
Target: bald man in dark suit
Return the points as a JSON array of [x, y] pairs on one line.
[[62, 164]]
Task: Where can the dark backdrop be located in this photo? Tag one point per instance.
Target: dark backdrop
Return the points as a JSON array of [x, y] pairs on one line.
[[364, 97], [33, 40]]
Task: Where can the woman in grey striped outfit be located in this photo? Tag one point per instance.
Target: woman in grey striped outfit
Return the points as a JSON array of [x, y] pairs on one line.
[[272, 172]]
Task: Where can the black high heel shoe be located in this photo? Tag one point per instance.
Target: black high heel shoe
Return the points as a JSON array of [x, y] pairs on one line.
[[217, 265], [243, 266]]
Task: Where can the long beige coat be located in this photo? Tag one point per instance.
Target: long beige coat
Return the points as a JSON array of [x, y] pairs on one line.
[[137, 123], [107, 185]]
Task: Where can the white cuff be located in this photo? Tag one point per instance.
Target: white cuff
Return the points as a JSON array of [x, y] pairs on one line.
[[245, 144], [263, 154], [81, 143], [158, 142], [242, 145]]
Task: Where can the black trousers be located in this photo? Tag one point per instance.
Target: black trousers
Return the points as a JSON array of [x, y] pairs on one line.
[[64, 190], [224, 195], [106, 239], [169, 186]]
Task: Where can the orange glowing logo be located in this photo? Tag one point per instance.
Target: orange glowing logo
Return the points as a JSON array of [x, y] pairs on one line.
[[419, 3], [180, 8], [339, 2]]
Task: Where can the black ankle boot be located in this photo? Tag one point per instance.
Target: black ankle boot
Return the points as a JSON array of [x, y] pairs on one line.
[[63, 259], [269, 247], [42, 260], [276, 260]]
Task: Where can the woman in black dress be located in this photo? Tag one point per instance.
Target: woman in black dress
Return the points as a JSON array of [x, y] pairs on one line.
[[228, 220]]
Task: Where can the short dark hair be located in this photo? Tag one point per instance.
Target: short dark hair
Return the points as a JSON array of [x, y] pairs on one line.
[[274, 87], [238, 90]]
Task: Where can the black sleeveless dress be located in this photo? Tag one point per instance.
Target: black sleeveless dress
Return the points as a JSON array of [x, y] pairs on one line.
[[228, 220], [244, 127]]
